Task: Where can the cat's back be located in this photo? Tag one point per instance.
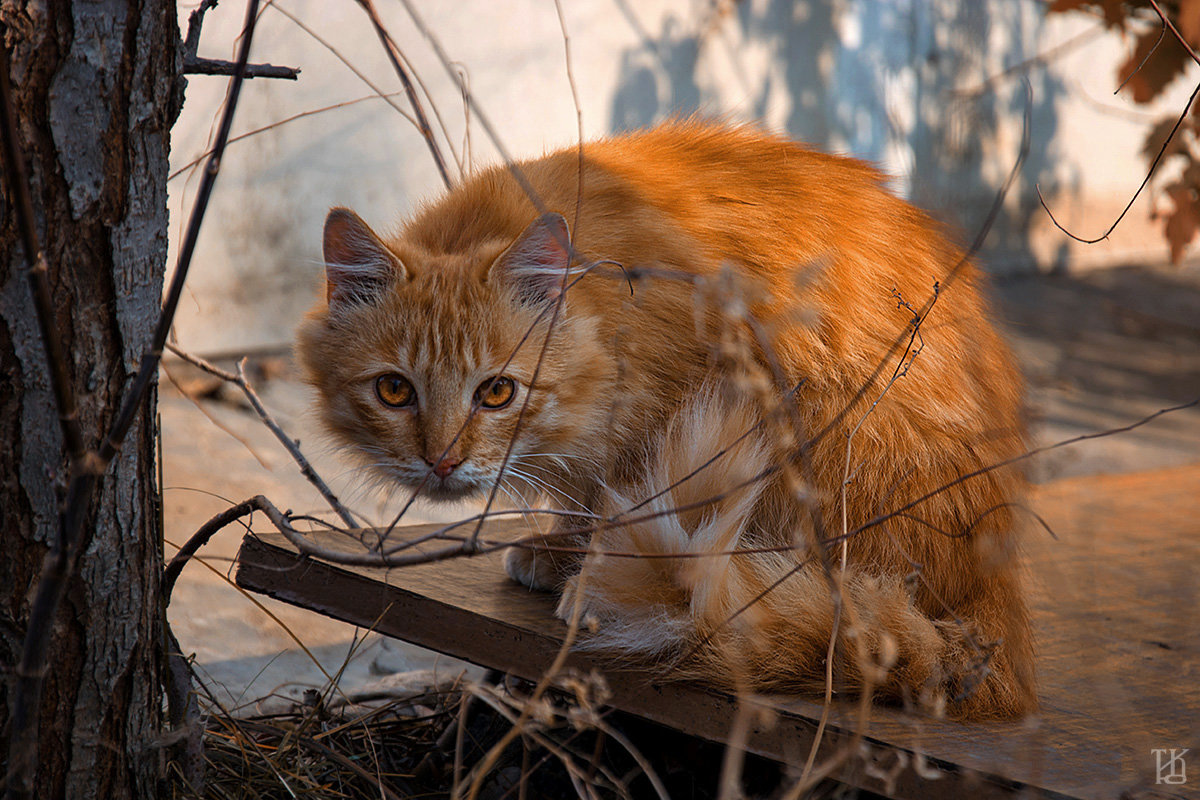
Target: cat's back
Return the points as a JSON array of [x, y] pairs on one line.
[[698, 196], [734, 192]]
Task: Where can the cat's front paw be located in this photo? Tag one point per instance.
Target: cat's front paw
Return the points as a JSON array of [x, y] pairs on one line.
[[533, 568]]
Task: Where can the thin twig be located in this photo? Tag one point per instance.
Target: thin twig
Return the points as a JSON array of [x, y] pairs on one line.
[[902, 367], [1175, 32], [239, 379], [562, 24], [195, 401], [278, 123], [948, 279], [1162, 33], [422, 122], [386, 96], [433, 106], [484, 120]]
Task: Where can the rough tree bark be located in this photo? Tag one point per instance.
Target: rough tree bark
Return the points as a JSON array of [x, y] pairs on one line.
[[95, 96]]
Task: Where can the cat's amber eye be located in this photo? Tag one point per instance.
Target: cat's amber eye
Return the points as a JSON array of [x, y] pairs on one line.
[[496, 392], [395, 390]]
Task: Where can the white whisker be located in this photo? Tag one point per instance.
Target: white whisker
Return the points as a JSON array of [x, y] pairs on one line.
[[545, 486]]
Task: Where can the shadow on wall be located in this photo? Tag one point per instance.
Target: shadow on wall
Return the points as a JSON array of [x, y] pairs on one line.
[[917, 87]]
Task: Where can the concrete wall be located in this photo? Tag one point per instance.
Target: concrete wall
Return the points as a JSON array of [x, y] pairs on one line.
[[926, 88]]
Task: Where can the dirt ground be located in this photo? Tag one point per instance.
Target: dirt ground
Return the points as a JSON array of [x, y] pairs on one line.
[[1100, 351]]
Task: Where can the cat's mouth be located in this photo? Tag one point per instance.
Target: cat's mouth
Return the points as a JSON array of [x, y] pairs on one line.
[[461, 484], [449, 489], [465, 482]]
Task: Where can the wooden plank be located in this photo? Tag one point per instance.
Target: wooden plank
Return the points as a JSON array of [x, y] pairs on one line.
[[1115, 601]]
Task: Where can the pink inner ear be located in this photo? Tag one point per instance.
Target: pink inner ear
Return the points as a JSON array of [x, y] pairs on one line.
[[535, 262], [543, 245], [357, 263]]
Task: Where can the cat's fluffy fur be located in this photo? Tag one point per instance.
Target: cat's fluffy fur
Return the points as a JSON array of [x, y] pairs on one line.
[[756, 265]]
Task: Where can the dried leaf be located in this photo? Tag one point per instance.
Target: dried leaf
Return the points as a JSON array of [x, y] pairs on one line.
[[1187, 19], [1164, 61], [1191, 175], [1183, 223], [1158, 136], [1115, 11]]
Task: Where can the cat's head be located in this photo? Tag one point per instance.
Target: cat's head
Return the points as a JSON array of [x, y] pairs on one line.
[[424, 361]]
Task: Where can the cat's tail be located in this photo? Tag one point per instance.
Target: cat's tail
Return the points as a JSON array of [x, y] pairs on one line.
[[670, 586]]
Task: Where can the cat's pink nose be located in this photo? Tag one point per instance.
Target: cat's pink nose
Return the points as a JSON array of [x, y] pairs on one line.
[[445, 466]]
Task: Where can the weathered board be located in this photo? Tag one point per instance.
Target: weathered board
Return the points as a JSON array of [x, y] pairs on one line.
[[1116, 599]]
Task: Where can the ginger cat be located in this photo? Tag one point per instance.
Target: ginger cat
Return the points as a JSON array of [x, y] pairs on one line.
[[728, 296]]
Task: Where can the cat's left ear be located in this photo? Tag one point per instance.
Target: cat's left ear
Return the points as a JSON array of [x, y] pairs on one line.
[[358, 265], [534, 263]]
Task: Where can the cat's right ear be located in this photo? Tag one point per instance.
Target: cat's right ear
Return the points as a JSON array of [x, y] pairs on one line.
[[358, 265], [535, 262]]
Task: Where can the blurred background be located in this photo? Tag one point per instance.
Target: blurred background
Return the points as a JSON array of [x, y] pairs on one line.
[[934, 91]]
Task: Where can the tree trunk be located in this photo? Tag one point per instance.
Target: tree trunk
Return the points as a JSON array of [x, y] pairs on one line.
[[95, 95]]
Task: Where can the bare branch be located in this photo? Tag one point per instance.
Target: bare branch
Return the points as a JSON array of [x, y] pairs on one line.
[[1141, 187], [562, 24], [484, 120], [198, 540], [191, 42], [195, 65], [1162, 32]]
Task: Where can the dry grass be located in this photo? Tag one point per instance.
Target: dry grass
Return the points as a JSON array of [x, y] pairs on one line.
[[434, 744]]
